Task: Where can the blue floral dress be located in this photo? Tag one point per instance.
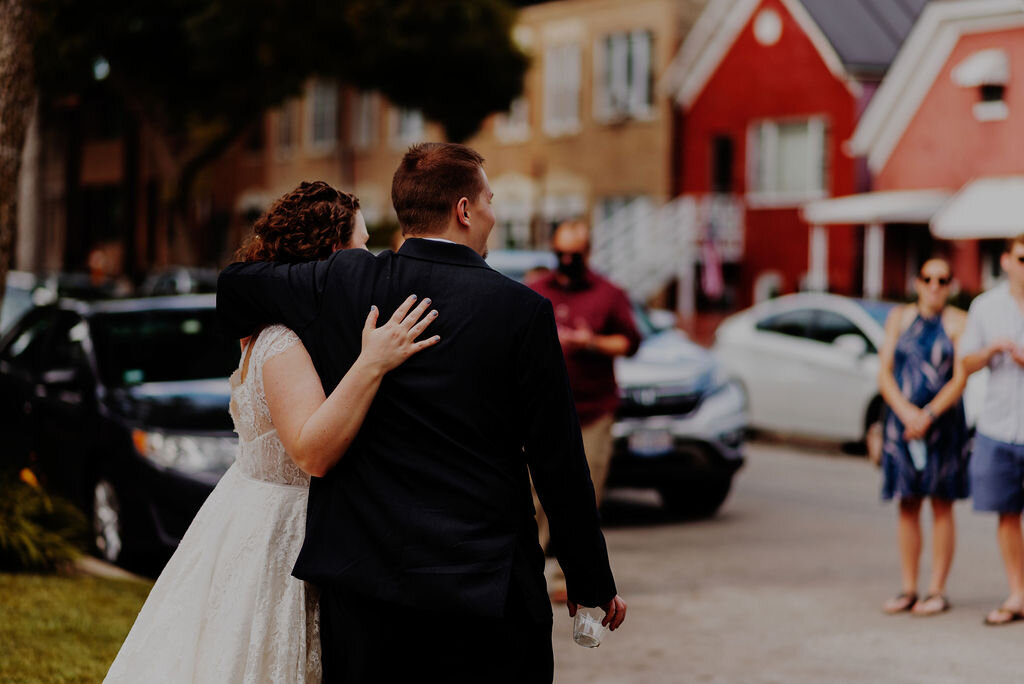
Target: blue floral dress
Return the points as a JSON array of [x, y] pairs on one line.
[[922, 364]]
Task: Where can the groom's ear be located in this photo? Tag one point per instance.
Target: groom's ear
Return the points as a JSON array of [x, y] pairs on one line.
[[462, 211]]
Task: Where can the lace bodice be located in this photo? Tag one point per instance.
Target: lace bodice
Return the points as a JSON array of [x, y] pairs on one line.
[[261, 456]]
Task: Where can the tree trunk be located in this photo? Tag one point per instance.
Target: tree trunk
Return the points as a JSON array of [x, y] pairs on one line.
[[17, 91]]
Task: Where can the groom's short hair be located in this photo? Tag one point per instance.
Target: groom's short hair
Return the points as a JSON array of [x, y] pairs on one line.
[[429, 182]]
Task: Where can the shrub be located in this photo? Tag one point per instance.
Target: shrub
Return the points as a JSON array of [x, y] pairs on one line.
[[37, 532]]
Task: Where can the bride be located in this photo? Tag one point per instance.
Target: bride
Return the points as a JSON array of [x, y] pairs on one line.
[[226, 608]]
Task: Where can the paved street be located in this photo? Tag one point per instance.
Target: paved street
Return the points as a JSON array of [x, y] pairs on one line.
[[784, 586]]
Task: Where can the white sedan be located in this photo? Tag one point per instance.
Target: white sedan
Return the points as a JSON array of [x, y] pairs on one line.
[[809, 364]]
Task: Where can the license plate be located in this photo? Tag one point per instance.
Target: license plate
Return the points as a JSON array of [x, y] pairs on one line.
[[648, 442]]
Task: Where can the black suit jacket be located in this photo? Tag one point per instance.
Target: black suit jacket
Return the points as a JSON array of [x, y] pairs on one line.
[[431, 505]]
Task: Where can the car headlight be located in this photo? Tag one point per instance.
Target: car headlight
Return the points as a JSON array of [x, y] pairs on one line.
[[186, 453], [719, 378]]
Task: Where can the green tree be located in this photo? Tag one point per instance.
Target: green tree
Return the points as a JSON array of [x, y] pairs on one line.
[[201, 72]]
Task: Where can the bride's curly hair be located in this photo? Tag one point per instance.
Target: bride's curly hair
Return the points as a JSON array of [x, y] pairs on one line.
[[307, 224]]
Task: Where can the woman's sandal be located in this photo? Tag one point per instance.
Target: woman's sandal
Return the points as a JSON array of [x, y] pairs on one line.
[[899, 604], [933, 604], [1007, 615]]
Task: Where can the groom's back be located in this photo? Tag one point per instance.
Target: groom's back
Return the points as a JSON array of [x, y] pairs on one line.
[[428, 505]]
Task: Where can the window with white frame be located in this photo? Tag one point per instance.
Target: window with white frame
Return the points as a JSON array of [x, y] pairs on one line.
[[285, 131], [323, 115], [365, 111], [407, 126], [786, 161], [623, 76], [562, 207], [562, 89], [512, 218], [514, 125]]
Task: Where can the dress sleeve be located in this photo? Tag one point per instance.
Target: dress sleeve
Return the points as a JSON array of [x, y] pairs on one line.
[[278, 339], [272, 341]]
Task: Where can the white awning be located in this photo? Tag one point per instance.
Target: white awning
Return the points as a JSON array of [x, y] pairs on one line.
[[984, 208], [988, 67], [893, 206]]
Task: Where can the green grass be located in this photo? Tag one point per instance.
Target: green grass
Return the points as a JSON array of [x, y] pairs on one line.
[[57, 630]]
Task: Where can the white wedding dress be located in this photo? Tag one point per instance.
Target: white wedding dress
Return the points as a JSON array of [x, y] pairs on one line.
[[225, 608]]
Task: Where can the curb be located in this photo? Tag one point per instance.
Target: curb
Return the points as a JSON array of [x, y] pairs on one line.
[[90, 565]]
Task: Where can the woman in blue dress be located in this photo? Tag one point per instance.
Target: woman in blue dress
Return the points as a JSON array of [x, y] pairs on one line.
[[924, 454]]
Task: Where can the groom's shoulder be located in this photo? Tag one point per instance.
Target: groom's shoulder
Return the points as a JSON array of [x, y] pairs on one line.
[[518, 299]]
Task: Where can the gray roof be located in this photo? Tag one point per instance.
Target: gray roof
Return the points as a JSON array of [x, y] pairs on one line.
[[867, 34]]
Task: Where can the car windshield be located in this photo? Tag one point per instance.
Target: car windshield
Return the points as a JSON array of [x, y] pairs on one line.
[[643, 322], [161, 346], [16, 302], [877, 310]]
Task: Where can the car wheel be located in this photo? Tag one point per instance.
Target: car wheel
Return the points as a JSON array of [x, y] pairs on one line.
[[107, 525], [699, 500], [870, 444]]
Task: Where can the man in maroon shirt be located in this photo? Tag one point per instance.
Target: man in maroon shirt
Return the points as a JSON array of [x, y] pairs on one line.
[[595, 325]]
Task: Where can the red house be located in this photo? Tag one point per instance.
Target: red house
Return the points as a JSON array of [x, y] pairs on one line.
[[949, 121], [770, 92]]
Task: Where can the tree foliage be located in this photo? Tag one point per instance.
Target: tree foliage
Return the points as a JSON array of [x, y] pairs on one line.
[[189, 65], [200, 73]]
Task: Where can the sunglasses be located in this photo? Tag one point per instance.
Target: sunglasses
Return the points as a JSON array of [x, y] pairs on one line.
[[942, 281]]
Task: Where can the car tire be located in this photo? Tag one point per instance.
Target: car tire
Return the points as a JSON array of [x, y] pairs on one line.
[[697, 501], [870, 443], [107, 522]]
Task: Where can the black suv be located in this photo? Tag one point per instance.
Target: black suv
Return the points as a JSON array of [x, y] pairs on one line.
[[121, 406]]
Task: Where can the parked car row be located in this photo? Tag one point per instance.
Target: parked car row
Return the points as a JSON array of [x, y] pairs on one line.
[[122, 405]]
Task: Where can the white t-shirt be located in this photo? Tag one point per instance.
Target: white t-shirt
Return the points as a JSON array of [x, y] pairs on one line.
[[994, 315]]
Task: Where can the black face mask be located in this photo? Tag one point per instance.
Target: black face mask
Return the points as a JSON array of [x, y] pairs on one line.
[[574, 268]]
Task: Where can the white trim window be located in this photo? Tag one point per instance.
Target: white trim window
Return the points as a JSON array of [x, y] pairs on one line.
[[513, 126], [284, 132], [562, 89], [512, 218], [322, 132], [365, 113], [407, 127], [623, 77], [786, 162]]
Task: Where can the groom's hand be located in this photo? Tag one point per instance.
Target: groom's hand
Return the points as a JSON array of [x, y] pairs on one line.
[[614, 612]]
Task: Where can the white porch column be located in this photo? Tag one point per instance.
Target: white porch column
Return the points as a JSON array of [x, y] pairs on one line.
[[817, 269], [874, 260]]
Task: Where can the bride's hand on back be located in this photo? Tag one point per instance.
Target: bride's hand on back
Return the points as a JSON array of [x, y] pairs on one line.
[[386, 347]]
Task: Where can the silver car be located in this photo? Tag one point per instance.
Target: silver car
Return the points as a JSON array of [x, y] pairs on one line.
[[682, 420]]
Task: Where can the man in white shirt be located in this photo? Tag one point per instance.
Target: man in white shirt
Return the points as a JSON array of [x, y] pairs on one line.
[[994, 338]]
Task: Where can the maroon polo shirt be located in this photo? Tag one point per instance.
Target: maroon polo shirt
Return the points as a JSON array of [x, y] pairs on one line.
[[606, 310]]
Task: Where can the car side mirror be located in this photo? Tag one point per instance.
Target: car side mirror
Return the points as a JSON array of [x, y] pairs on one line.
[[854, 345]]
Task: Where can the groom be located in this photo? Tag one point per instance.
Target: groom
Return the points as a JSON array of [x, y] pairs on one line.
[[423, 539]]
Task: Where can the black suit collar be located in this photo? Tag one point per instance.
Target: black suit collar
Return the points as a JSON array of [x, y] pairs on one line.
[[442, 252]]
